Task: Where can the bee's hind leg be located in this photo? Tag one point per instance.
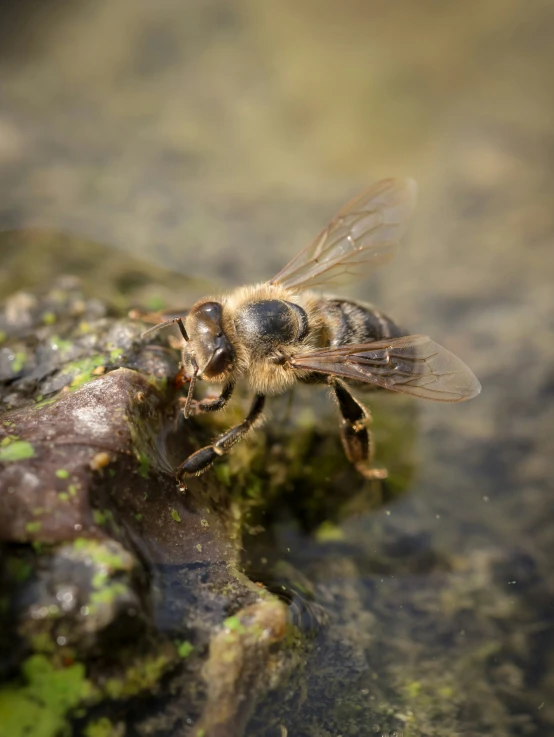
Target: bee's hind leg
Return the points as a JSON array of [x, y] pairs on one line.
[[200, 461], [355, 436]]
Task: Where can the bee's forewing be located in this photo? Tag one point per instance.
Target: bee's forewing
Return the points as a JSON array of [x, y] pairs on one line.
[[413, 364], [361, 237]]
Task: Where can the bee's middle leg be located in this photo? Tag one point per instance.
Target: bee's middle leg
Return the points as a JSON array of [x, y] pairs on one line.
[[200, 461], [355, 436]]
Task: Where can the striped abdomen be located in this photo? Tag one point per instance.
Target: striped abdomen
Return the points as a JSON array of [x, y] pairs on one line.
[[350, 322]]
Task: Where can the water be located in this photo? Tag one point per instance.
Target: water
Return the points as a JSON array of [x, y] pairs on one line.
[[216, 140]]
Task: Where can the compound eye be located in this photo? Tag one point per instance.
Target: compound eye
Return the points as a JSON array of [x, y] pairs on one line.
[[210, 313], [222, 358], [221, 361]]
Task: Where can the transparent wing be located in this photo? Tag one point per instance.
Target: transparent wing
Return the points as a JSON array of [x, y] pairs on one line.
[[413, 364], [361, 237]]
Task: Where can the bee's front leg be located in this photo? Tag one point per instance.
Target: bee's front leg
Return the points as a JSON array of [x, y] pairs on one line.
[[210, 404], [200, 461], [355, 436]]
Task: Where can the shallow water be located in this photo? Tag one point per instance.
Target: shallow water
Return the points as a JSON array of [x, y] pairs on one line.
[[215, 140]]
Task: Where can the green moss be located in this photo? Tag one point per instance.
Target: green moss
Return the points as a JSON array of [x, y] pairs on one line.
[[176, 516], [223, 473], [19, 361], [62, 473], [45, 402], [144, 465], [63, 346], [63, 496], [104, 728], [234, 624], [33, 527], [81, 371], [255, 488], [184, 648], [413, 689], [158, 382], [72, 489], [3, 336], [42, 642], [41, 705], [99, 579], [155, 303], [18, 569], [49, 318], [328, 532], [18, 450], [99, 516], [143, 675], [108, 594], [101, 555]]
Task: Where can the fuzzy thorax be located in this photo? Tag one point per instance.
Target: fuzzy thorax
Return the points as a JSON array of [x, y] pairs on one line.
[[259, 359]]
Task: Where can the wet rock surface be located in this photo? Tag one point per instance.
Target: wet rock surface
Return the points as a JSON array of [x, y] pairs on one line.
[[252, 600], [108, 568]]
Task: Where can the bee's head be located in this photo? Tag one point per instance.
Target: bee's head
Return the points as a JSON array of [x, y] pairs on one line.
[[207, 343]]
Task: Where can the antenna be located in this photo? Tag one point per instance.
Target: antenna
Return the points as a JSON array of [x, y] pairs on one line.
[[166, 324]]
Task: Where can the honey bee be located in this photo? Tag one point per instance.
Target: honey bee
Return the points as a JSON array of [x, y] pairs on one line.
[[280, 332]]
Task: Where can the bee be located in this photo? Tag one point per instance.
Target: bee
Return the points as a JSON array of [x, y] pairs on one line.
[[281, 332]]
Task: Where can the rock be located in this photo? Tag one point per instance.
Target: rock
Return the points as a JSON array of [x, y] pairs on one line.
[[107, 566]]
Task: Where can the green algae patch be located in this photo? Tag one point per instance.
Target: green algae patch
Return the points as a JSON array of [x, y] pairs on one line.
[[328, 532], [41, 705], [62, 473], [32, 527], [104, 727], [234, 624], [184, 648], [19, 361], [82, 371], [107, 594], [45, 402], [102, 555], [223, 473], [144, 465], [143, 675], [155, 303], [19, 570], [16, 450], [101, 517], [60, 344], [49, 318], [175, 514]]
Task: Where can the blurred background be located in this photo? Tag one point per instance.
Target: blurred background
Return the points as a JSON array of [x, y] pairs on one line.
[[161, 149]]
